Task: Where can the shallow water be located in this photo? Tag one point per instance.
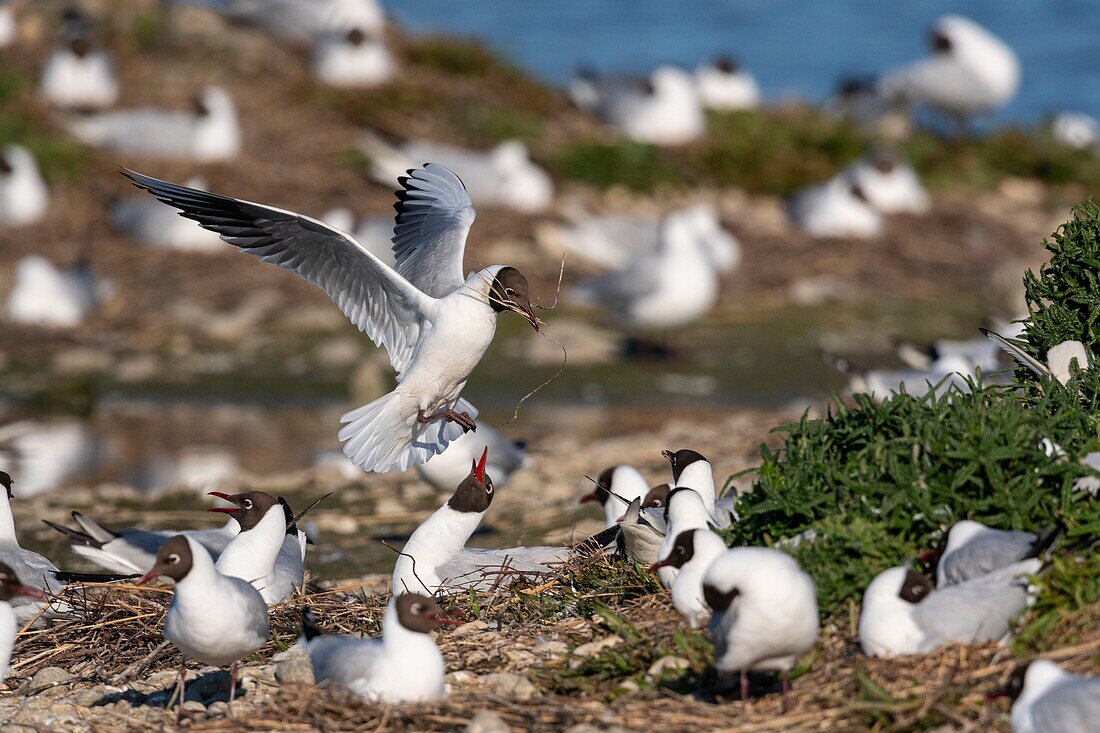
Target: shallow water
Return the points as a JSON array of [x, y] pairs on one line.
[[794, 48]]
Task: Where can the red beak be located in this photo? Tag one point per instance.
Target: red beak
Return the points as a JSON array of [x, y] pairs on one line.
[[222, 509], [447, 619], [620, 519], [29, 592], [594, 496], [154, 573], [658, 565], [479, 469], [928, 556]]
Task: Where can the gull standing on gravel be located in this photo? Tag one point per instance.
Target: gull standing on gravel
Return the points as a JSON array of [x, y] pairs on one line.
[[765, 613], [504, 176], [726, 87], [154, 224], [435, 558], [403, 665], [662, 110], [264, 538], [1047, 699], [24, 197], [352, 59], [45, 295], [692, 553], [78, 75], [685, 509], [970, 549], [213, 618], [207, 133], [11, 587], [135, 550], [435, 325], [970, 72], [616, 488], [837, 208], [450, 467], [671, 287], [889, 183], [903, 613]]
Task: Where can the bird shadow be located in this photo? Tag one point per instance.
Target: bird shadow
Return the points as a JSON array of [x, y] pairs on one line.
[[721, 690], [207, 688]]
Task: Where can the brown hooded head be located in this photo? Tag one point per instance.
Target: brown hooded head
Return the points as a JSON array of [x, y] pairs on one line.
[[510, 291], [656, 497], [198, 106], [884, 162], [939, 42], [174, 560], [80, 46], [249, 508], [727, 65], [719, 600], [421, 613], [680, 460], [683, 549], [10, 586], [355, 37], [602, 492], [475, 493], [5, 166], [6, 482], [916, 587]]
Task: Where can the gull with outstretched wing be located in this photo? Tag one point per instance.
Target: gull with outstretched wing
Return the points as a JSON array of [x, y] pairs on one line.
[[434, 323]]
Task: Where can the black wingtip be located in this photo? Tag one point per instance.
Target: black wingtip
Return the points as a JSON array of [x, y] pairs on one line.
[[66, 577], [77, 535], [1045, 539], [310, 629]]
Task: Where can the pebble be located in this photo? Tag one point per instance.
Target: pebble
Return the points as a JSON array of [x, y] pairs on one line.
[[593, 648], [295, 670], [470, 627], [50, 678], [664, 665], [582, 728], [193, 706], [217, 708], [508, 685], [486, 722]]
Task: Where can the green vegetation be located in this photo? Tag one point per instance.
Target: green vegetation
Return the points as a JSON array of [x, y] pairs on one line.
[[877, 483], [458, 57], [59, 156], [624, 163]]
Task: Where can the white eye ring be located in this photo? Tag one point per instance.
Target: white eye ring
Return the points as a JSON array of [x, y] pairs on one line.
[[509, 292], [247, 503], [173, 559], [489, 488]]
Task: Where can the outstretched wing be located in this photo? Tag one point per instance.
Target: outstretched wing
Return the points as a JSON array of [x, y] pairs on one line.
[[379, 301], [1023, 358], [434, 214]]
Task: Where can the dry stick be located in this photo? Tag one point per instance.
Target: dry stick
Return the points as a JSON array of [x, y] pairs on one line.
[[388, 546], [139, 665]]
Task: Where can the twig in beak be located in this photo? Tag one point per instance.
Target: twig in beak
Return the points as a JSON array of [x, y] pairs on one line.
[[558, 373], [561, 274]]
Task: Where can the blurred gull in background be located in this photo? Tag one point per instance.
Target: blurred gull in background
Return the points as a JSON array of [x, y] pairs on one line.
[[503, 176], [44, 453], [1076, 130], [79, 75], [890, 184], [836, 208], [23, 194], [373, 232], [969, 73], [301, 22], [207, 133], [725, 87], [9, 26], [449, 468], [45, 295], [662, 110], [159, 225], [352, 59]]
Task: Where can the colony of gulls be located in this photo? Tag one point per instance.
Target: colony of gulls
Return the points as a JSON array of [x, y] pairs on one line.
[[403, 283]]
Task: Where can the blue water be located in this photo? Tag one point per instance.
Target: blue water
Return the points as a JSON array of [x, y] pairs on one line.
[[796, 48]]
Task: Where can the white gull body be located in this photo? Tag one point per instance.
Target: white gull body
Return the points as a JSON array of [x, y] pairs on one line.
[[1055, 701], [687, 588], [726, 87], [686, 510], [300, 22], [47, 296], [504, 176], [973, 549], [970, 71], [434, 324], [665, 111], [24, 197], [1075, 130], [79, 76], [447, 469], [45, 453], [209, 133], [771, 620], [979, 610], [252, 555], [836, 208], [890, 185], [30, 567], [352, 59], [9, 26]]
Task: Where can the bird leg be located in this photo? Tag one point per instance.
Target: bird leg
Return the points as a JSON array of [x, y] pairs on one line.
[[462, 418], [232, 686], [744, 692], [182, 690], [786, 689]]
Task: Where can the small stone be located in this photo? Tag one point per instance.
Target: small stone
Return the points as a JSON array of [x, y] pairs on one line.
[[486, 722], [508, 685], [217, 708], [45, 679], [294, 671], [665, 665], [470, 627], [460, 677], [582, 728], [593, 648], [552, 648], [628, 687], [193, 706]]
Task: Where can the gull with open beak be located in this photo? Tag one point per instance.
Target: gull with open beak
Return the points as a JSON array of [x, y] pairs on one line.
[[11, 587], [435, 324], [254, 553], [403, 665], [213, 618], [616, 487]]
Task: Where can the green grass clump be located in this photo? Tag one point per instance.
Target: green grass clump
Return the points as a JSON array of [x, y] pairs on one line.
[[623, 163], [458, 57]]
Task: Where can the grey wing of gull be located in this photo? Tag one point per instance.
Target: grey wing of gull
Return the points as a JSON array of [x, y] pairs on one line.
[[1073, 705], [434, 215], [1037, 367], [342, 660], [30, 567], [986, 553], [979, 610], [617, 290], [719, 628], [379, 301], [502, 452]]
